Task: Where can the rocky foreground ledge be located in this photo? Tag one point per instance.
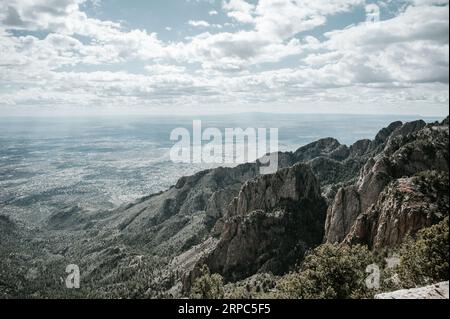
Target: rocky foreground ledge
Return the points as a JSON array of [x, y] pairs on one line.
[[436, 291]]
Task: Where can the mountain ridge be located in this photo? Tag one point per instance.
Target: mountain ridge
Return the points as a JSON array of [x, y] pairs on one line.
[[239, 222]]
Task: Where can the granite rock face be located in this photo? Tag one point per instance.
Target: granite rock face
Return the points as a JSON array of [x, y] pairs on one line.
[[323, 147], [240, 223], [270, 224], [436, 291], [410, 149], [404, 207], [182, 216], [175, 220], [342, 213]]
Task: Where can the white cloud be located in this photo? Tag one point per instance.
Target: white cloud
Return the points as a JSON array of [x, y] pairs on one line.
[[39, 14], [240, 10], [234, 51], [199, 23], [416, 23], [430, 2], [283, 19], [275, 23], [412, 47], [165, 69], [402, 60], [64, 17]]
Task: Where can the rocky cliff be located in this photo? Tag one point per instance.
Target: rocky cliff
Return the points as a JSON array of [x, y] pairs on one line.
[[239, 223], [436, 291], [270, 224], [399, 190], [405, 206]]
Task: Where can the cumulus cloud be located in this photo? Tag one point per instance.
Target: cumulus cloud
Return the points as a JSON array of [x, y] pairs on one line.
[[165, 69], [284, 19], [430, 2], [412, 47], [235, 51], [240, 10], [199, 23], [271, 56], [65, 17], [275, 23], [39, 14]]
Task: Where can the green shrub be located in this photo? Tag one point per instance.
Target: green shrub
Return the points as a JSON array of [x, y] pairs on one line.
[[207, 286], [425, 261], [259, 286], [330, 271]]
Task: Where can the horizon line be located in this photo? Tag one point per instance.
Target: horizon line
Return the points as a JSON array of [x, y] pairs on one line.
[[182, 115]]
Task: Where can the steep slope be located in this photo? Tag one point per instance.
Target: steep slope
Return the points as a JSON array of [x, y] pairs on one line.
[[404, 207], [239, 222], [269, 225], [171, 222], [410, 149]]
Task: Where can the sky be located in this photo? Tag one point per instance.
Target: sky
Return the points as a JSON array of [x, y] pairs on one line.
[[224, 56]]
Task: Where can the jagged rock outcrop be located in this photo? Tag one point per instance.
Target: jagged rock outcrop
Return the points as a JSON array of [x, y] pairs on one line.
[[335, 164], [404, 207], [360, 148], [436, 291], [181, 217], [175, 220], [330, 171], [239, 222], [331, 161], [267, 192], [342, 213], [383, 135], [323, 147], [408, 150], [269, 225]]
